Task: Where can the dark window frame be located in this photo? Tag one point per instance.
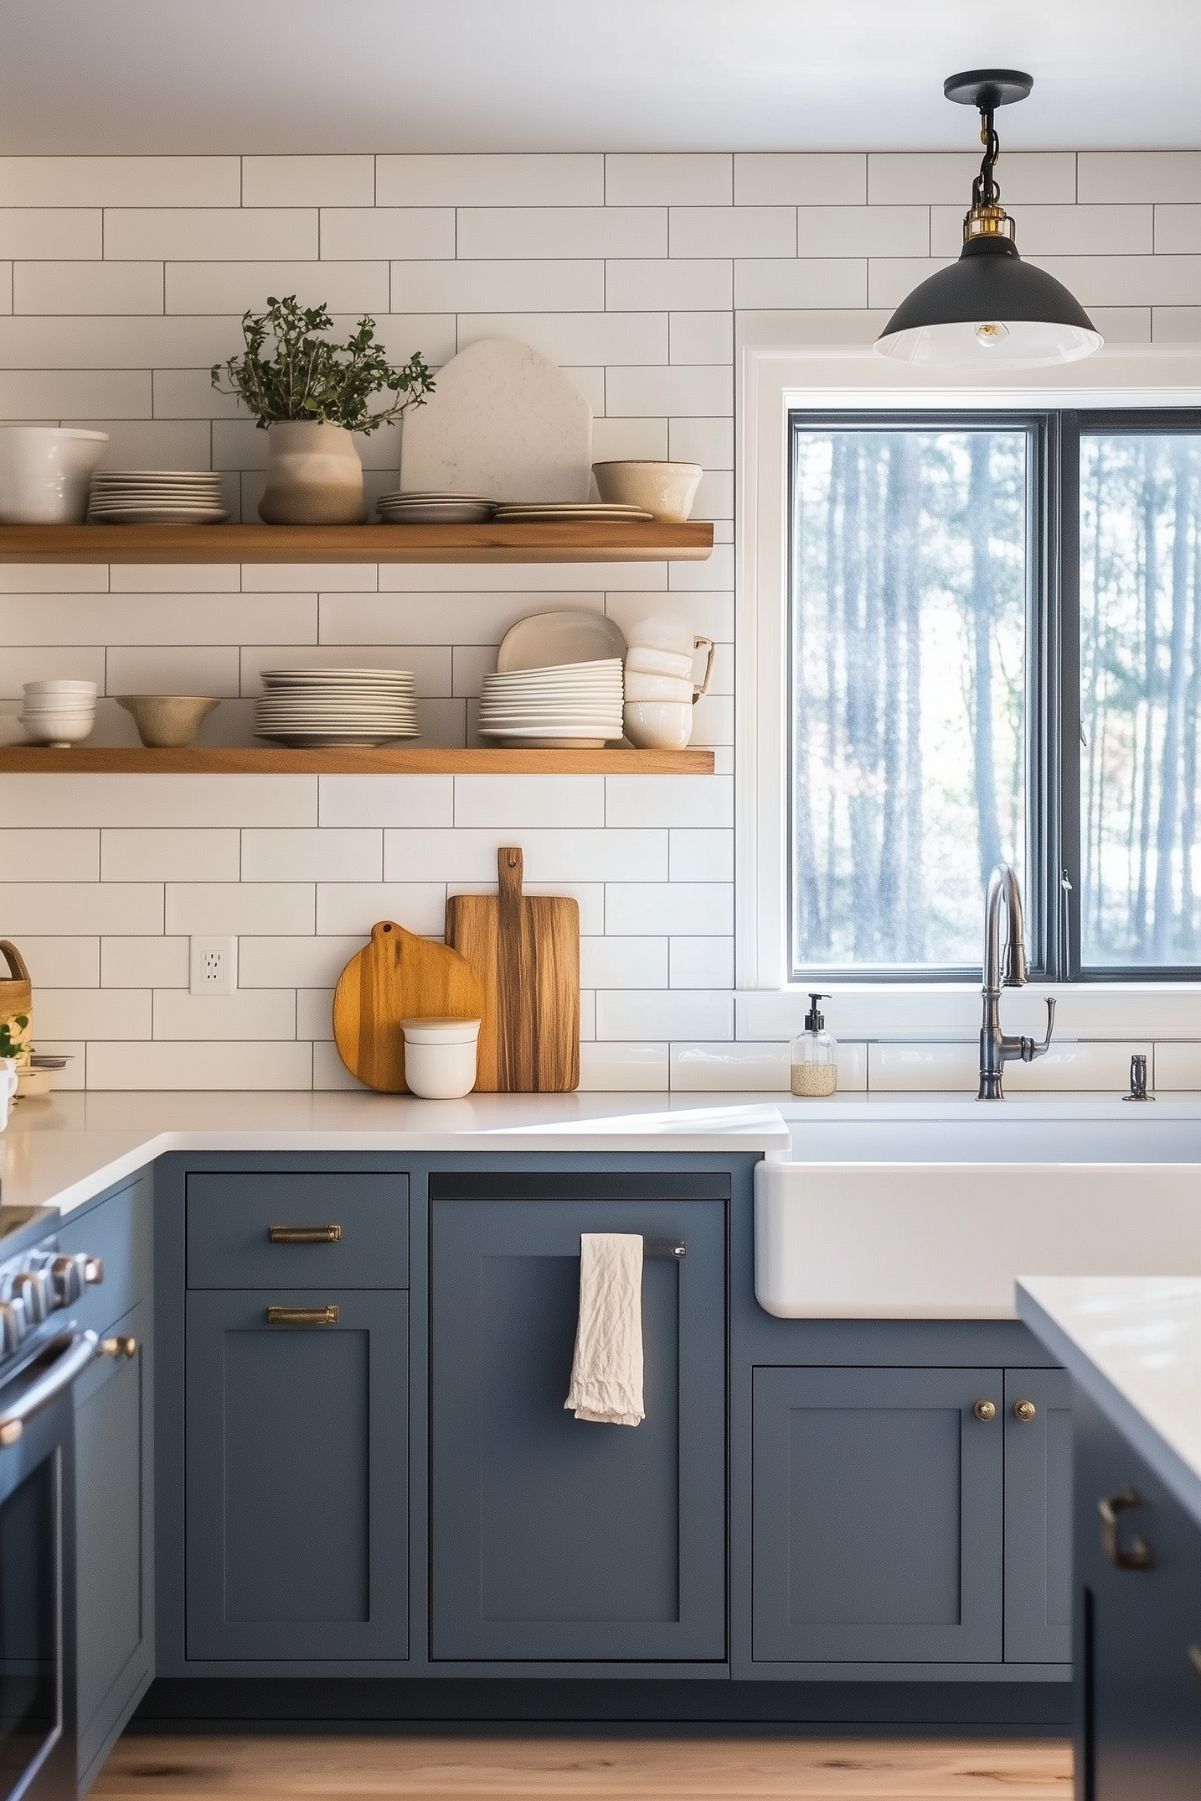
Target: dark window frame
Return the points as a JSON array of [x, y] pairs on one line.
[[1053, 851]]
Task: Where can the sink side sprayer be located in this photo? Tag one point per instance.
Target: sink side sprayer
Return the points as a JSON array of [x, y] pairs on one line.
[[996, 1048]]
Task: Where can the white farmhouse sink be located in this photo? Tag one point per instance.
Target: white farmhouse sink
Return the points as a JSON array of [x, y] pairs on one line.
[[916, 1209]]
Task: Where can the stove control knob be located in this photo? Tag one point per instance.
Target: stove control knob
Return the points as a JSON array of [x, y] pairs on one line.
[[69, 1276], [35, 1289]]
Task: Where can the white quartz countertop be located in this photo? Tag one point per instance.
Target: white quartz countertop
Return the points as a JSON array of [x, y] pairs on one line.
[[1134, 1345], [63, 1151]]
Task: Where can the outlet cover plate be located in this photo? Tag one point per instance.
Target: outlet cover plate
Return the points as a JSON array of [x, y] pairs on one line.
[[214, 965]]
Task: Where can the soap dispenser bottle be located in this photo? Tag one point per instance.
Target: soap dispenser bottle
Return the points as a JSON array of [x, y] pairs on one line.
[[814, 1055]]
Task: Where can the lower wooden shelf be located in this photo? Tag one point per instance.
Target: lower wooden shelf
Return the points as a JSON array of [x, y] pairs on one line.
[[255, 760]]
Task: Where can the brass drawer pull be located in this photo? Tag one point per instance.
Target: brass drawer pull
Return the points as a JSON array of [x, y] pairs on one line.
[[117, 1347], [1194, 1657], [304, 1234], [1136, 1555], [985, 1410], [303, 1316], [1024, 1411]]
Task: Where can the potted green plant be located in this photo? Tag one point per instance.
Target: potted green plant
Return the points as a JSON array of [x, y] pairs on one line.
[[309, 394]]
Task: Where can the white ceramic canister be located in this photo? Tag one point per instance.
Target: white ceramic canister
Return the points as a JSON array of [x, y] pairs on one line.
[[45, 473], [440, 1057]]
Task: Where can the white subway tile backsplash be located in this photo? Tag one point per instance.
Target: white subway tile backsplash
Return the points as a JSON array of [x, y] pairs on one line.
[[251, 234], [625, 271], [795, 178], [130, 962], [120, 180], [497, 180], [648, 284], [558, 231], [237, 287], [308, 180], [49, 288], [250, 1013], [34, 855], [169, 854], [349, 232]]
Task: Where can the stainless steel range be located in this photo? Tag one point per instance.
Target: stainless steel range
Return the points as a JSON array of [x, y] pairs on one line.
[[42, 1353]]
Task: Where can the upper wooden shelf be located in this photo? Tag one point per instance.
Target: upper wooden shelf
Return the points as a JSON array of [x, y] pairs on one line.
[[595, 541], [202, 759]]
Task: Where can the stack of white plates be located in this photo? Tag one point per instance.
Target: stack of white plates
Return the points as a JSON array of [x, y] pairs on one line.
[[157, 497], [350, 707], [419, 507], [568, 705], [571, 511]]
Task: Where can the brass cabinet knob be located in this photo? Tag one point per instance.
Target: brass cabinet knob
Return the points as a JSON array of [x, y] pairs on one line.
[[117, 1347], [985, 1410], [1194, 1657], [1024, 1411]]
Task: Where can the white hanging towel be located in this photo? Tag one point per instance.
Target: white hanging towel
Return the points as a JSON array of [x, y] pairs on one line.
[[606, 1372]]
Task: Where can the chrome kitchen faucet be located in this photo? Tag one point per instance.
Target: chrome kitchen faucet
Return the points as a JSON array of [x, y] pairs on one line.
[[996, 1049]]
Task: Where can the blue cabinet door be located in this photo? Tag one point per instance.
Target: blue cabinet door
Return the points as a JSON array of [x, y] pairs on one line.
[[876, 1516], [297, 1476], [1138, 1696], [1038, 1516], [554, 1539]]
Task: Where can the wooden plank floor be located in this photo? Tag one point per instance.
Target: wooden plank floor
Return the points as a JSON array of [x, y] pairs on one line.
[[378, 1768]]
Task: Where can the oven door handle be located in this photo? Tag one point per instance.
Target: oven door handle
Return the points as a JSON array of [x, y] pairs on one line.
[[66, 1358]]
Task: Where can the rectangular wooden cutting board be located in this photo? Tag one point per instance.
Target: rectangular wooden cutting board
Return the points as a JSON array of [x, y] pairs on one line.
[[526, 950]]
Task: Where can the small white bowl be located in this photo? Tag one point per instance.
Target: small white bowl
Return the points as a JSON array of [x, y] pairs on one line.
[[59, 703], [658, 687], [50, 689], [57, 730], [440, 1057], [658, 633], [658, 662], [665, 489], [658, 724]]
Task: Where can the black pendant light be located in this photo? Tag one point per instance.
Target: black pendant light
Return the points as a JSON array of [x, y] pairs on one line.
[[990, 307]]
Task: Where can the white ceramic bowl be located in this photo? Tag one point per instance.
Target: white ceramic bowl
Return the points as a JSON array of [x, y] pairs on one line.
[[665, 489], [79, 703], [658, 662], [44, 473], [658, 724], [58, 729], [59, 690], [440, 1057], [658, 687], [658, 633]]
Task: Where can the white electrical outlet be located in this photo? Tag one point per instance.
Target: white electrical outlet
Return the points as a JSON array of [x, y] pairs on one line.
[[214, 965]]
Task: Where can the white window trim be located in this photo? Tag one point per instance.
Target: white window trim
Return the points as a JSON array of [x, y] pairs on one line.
[[773, 378]]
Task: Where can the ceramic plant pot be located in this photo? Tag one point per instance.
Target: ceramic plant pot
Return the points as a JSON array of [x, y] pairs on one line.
[[314, 476]]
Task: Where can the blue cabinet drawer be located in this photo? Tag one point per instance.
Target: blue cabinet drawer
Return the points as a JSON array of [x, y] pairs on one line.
[[120, 1232], [289, 1230]]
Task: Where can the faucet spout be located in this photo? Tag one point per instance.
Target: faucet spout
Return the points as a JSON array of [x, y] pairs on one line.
[[996, 1047]]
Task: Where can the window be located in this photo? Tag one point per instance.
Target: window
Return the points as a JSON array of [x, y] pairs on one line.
[[994, 652]]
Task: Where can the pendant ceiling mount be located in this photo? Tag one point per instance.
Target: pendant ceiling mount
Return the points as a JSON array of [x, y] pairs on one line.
[[990, 307]]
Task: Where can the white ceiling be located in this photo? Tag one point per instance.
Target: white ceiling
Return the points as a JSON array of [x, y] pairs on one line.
[[127, 76]]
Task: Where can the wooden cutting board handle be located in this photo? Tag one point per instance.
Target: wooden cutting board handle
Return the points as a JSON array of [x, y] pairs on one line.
[[510, 869]]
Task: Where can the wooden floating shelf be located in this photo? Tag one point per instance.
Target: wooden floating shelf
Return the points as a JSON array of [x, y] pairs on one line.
[[251, 760], [596, 541]]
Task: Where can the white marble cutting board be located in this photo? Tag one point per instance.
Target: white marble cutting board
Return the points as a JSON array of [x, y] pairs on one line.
[[503, 421]]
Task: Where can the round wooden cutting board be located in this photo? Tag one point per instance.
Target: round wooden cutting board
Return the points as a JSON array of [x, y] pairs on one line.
[[397, 976]]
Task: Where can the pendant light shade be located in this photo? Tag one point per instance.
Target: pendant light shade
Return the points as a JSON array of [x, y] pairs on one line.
[[990, 307]]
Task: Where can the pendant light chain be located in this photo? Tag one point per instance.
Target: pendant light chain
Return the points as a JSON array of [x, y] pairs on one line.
[[986, 189]]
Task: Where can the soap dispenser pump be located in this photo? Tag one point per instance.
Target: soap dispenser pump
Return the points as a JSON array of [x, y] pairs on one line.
[[815, 1055]]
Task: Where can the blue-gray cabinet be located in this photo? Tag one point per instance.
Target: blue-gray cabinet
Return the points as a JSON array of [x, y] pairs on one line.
[[113, 1527], [1138, 1649], [1038, 1516], [297, 1474], [877, 1515], [553, 1539]]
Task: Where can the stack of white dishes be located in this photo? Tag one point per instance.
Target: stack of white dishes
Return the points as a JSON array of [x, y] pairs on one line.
[[421, 508], [564, 706], [348, 707], [660, 689], [59, 713], [157, 497], [569, 512]]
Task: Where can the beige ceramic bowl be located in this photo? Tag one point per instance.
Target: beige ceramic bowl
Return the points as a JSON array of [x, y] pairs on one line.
[[665, 489], [658, 724], [167, 721]]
